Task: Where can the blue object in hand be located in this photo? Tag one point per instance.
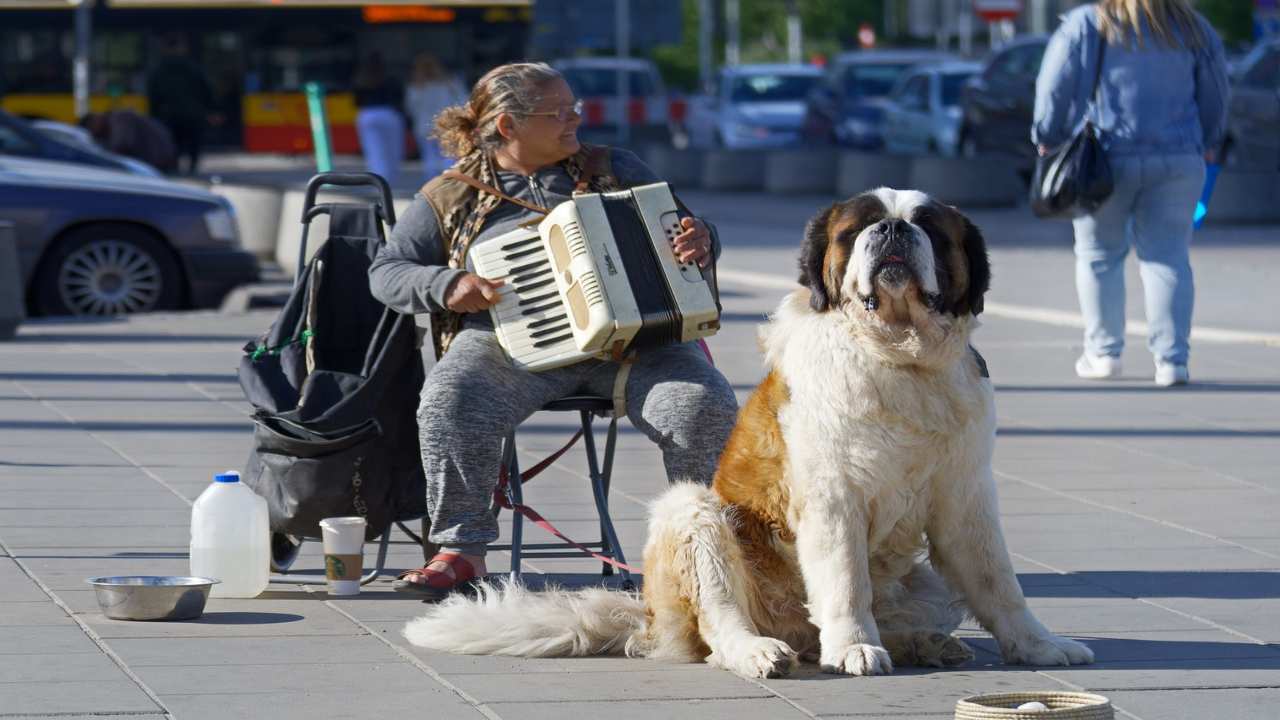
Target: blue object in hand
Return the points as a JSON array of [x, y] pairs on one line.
[[1202, 207]]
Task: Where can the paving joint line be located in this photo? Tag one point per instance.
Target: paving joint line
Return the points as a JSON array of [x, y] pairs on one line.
[[1189, 616], [1131, 513], [414, 660], [93, 637]]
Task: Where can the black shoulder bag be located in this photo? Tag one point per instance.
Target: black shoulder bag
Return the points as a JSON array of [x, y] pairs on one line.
[[1074, 178]]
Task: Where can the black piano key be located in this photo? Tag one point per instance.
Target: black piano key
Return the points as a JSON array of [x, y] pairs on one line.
[[549, 331], [534, 286], [548, 320], [528, 266], [523, 243], [540, 308], [537, 299], [552, 341]]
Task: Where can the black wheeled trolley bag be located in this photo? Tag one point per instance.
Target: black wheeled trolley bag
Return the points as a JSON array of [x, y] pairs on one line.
[[334, 385]]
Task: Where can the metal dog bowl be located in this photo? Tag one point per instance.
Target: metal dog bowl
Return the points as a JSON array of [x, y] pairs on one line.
[[152, 597]]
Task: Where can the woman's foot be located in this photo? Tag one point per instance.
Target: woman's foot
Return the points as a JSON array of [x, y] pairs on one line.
[[1097, 367], [447, 573]]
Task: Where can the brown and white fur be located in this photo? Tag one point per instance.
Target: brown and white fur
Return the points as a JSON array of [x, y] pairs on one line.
[[853, 517]]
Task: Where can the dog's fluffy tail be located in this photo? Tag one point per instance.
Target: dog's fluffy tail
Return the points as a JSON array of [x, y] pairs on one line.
[[509, 619]]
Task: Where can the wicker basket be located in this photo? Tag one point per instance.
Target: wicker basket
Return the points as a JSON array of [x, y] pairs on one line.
[[1062, 706]]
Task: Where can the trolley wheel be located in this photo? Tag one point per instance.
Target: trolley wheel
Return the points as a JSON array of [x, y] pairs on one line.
[[284, 550]]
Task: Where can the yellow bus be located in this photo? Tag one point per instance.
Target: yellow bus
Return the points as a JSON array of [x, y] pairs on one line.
[[256, 54]]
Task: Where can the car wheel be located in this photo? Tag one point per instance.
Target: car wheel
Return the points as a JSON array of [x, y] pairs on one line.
[[108, 269]]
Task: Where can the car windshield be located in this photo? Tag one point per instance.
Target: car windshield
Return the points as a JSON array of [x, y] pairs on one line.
[[872, 79], [594, 82], [773, 87], [952, 85]]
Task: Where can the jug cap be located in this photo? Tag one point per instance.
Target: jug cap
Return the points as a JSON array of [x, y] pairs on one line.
[[230, 476]]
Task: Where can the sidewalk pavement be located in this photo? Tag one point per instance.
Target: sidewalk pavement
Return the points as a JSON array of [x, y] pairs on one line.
[[1141, 521]]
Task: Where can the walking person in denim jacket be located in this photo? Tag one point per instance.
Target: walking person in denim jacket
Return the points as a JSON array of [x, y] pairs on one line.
[[1161, 112]]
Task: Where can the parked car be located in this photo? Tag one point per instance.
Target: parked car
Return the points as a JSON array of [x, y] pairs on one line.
[[55, 141], [96, 241], [1253, 123], [847, 107], [754, 106], [923, 113], [652, 115], [999, 103]]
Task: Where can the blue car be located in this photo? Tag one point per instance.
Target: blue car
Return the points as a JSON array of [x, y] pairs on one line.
[[847, 107], [754, 106]]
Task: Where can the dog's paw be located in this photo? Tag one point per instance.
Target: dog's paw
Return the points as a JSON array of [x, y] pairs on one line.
[[857, 659], [1048, 650], [756, 657]]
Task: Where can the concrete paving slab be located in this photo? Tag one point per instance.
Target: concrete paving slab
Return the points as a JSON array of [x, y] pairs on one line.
[[126, 500], [19, 538], [32, 613], [376, 678], [1226, 703], [55, 667], [417, 699], [16, 586], [62, 640], [261, 651], [907, 692], [722, 709], [696, 682], [62, 697]]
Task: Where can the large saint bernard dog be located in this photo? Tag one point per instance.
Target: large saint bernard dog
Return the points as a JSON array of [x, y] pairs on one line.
[[853, 517]]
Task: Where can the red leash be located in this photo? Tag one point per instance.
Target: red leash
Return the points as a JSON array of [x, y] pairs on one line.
[[501, 499]]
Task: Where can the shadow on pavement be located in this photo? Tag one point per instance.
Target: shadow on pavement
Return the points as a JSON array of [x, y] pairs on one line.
[[246, 618], [1235, 585], [1204, 433], [1198, 386], [42, 338], [117, 377]]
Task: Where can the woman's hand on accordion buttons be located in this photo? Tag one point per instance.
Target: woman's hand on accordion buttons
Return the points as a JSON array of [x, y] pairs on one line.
[[472, 293], [694, 243]]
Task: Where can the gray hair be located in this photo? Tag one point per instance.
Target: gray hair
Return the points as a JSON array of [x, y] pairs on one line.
[[513, 88]]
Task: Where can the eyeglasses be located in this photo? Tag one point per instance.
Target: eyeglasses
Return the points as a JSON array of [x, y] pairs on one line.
[[562, 113]]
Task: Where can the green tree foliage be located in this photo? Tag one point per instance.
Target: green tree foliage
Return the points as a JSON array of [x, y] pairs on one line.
[[828, 26]]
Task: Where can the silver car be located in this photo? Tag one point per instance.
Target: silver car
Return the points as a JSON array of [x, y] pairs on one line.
[[923, 114], [754, 106], [96, 241]]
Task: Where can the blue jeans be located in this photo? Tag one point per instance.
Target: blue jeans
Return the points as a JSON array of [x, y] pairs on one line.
[[1151, 208]]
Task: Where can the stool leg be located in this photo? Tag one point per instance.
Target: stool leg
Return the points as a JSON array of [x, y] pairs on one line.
[[515, 494], [600, 489]]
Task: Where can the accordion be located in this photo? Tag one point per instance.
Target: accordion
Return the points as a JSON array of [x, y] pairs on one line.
[[597, 277]]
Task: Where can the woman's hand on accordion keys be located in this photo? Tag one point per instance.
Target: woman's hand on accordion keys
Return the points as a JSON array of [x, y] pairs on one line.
[[471, 293], [694, 243]]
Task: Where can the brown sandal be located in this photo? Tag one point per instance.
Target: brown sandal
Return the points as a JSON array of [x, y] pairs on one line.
[[430, 584]]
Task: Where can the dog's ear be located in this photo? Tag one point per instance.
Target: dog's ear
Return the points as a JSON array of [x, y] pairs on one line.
[[975, 254], [813, 251]]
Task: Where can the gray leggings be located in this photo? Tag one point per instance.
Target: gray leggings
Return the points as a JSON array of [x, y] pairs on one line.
[[474, 397]]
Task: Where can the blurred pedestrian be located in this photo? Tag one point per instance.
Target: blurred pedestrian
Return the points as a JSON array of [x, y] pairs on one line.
[[431, 89], [134, 135], [1160, 108], [379, 123], [179, 96]]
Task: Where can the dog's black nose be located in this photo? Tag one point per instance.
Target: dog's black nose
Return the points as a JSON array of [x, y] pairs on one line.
[[896, 227]]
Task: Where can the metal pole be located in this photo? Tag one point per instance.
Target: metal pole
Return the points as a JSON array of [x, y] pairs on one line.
[[706, 22], [622, 31], [1039, 16], [319, 130], [732, 30], [794, 49], [964, 23], [84, 48]]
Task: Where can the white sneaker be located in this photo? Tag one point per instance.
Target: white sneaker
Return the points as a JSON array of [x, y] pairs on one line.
[[1168, 375], [1097, 367]]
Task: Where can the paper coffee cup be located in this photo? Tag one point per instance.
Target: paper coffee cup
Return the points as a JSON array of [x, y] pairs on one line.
[[343, 553]]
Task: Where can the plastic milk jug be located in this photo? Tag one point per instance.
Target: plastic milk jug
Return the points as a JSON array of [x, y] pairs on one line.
[[230, 538]]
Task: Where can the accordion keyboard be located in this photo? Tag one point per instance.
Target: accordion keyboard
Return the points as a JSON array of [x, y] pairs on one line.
[[530, 319]]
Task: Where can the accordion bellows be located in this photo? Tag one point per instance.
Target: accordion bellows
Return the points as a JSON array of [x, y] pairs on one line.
[[597, 278]]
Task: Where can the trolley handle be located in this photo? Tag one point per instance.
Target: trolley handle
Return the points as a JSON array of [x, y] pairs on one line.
[[386, 208]]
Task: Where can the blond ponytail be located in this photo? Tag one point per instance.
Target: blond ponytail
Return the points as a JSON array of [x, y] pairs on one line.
[[514, 88]]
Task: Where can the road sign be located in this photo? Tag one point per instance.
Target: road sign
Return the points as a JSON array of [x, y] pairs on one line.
[[993, 10]]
